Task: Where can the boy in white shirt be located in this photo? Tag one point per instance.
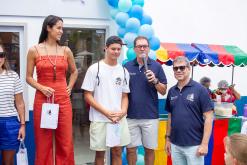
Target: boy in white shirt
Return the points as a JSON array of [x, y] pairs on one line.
[[106, 85]]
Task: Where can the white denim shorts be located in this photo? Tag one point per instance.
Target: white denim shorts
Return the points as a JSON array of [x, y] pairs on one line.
[[143, 132]]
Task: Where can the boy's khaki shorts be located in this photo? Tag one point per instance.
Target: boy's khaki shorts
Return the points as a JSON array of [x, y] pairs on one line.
[[98, 135]]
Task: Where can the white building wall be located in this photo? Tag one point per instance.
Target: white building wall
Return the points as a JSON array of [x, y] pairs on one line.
[[90, 14]]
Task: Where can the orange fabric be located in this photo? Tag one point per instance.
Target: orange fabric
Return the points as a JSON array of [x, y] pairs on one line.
[[64, 152]]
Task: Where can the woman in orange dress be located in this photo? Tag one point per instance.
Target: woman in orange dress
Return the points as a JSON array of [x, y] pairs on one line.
[[52, 62]]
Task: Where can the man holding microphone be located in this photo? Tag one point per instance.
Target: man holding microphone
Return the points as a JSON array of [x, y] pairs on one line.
[[146, 79]]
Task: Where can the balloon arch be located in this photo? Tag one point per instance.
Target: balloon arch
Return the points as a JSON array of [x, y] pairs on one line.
[[132, 21]]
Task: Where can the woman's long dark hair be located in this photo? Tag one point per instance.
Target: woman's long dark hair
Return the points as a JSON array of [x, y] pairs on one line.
[[50, 21]]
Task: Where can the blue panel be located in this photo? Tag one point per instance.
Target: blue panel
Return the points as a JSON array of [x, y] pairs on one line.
[[162, 106], [208, 157], [207, 55], [240, 105], [190, 52], [29, 141]]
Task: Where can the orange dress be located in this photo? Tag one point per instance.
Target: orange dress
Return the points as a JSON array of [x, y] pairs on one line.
[[64, 152]]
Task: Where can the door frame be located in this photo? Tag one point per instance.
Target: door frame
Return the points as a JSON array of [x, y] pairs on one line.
[[21, 28], [106, 27]]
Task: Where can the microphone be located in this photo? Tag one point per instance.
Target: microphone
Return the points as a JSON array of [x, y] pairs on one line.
[[144, 60]]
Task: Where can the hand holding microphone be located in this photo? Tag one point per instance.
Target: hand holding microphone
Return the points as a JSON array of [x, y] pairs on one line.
[[149, 74], [151, 77], [144, 60]]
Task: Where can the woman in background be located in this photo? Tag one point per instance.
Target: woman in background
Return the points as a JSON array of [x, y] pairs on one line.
[[11, 107], [52, 61], [226, 93]]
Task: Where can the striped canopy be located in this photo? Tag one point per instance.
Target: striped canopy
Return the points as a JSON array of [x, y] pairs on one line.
[[225, 55], [204, 54], [169, 51]]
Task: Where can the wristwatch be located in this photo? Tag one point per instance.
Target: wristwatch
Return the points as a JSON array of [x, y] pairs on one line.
[[156, 81]]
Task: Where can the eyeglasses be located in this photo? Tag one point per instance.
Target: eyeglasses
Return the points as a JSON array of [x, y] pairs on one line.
[[2, 54], [181, 68], [142, 46]]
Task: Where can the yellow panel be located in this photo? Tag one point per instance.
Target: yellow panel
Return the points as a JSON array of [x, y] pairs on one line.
[[160, 154], [160, 158], [161, 135]]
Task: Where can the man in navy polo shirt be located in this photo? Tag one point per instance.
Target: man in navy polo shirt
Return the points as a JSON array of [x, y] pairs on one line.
[[190, 117], [142, 116]]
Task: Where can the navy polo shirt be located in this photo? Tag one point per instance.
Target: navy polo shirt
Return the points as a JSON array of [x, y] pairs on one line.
[[187, 107], [143, 96]]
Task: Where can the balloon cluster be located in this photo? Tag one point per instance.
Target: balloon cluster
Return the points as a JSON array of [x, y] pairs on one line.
[[140, 156], [132, 21]]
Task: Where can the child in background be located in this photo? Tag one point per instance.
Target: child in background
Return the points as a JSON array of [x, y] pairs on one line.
[[235, 149]]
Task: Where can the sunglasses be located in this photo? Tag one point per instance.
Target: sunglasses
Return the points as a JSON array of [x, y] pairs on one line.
[[181, 68], [142, 46], [2, 54]]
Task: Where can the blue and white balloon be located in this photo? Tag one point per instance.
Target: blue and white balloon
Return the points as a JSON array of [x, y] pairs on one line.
[[138, 2], [146, 31], [129, 39], [113, 3], [154, 43], [152, 54], [113, 12], [132, 25], [146, 19], [124, 5], [121, 32], [140, 160], [131, 54], [121, 18], [136, 11], [123, 63]]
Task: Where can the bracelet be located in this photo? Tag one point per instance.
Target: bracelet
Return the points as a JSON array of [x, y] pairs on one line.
[[156, 81], [23, 124], [167, 136]]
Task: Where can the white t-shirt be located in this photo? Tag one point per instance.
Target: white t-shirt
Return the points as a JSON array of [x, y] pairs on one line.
[[113, 81], [10, 85]]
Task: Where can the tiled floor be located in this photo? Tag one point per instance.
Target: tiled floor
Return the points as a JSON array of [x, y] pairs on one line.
[[83, 155]]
